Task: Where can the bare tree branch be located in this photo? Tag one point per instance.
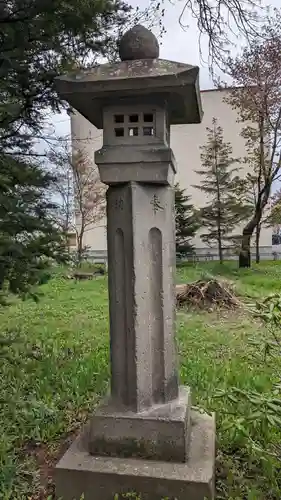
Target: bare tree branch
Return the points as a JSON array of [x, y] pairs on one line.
[[257, 98], [81, 193], [220, 19]]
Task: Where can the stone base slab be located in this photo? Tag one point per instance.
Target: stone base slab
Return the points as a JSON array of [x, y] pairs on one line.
[[104, 478], [160, 433]]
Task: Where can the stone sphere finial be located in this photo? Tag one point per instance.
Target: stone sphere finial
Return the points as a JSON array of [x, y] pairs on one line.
[[138, 43]]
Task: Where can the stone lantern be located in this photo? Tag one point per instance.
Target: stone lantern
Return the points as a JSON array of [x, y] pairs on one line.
[[144, 437]]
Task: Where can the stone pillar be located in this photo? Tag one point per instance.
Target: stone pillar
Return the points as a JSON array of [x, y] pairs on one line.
[[144, 380], [141, 262]]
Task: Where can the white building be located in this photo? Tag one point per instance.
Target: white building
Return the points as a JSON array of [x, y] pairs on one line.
[[185, 142]]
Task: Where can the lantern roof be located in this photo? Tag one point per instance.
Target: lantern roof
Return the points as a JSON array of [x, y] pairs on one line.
[[140, 76]]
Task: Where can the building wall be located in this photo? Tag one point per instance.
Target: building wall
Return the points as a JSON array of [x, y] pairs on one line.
[[86, 138], [185, 142]]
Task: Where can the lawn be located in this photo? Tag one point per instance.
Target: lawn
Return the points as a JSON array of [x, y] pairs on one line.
[[57, 367]]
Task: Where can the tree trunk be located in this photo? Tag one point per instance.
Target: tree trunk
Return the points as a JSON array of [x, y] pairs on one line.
[[80, 249], [258, 233], [220, 251], [254, 223], [245, 251], [219, 230]]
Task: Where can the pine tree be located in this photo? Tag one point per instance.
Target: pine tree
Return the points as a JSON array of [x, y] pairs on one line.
[[219, 183], [39, 41], [28, 237], [186, 222]]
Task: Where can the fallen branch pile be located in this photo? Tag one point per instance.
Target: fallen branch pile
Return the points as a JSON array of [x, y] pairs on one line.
[[206, 294], [82, 275]]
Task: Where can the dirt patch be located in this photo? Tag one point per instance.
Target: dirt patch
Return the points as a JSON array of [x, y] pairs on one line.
[[46, 457]]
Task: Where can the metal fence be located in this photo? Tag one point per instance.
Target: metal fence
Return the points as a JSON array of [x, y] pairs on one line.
[[200, 255]]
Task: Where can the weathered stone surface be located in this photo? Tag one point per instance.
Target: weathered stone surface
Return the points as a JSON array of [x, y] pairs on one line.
[[159, 433], [155, 173], [141, 264], [149, 159], [138, 43], [141, 80], [100, 478]]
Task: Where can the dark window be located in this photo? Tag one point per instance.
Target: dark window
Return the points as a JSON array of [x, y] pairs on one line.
[[148, 117], [133, 131], [134, 118], [148, 131], [119, 118], [276, 239], [119, 132]]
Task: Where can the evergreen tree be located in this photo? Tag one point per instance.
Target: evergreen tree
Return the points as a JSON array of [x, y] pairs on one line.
[[39, 40], [186, 222], [219, 183], [28, 237]]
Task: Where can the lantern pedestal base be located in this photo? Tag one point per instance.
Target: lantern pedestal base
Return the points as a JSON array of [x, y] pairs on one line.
[[105, 478], [160, 433]]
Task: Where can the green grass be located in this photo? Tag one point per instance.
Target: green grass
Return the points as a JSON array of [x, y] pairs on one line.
[[56, 370]]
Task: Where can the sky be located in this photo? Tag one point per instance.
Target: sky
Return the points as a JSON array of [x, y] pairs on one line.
[[177, 44]]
